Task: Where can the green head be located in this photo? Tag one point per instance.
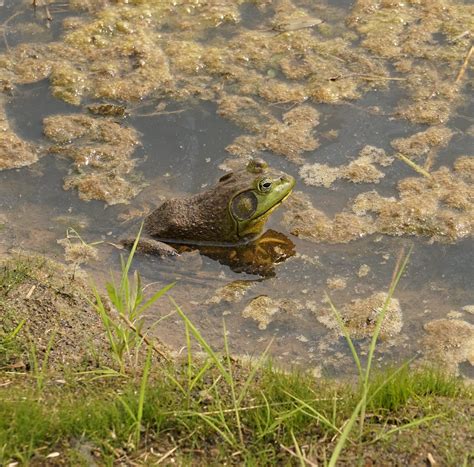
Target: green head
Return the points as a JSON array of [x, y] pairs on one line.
[[259, 190]]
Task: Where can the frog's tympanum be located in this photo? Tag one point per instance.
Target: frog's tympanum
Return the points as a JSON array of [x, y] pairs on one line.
[[233, 213]]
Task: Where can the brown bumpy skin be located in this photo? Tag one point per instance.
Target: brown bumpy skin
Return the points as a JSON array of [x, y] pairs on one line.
[[202, 217]]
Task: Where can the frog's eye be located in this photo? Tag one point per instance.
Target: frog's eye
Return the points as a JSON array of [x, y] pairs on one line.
[[265, 185], [225, 177], [243, 206]]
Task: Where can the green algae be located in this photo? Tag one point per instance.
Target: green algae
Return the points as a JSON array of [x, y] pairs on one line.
[[360, 316], [101, 150], [449, 342], [426, 42], [439, 207], [301, 54], [14, 151]]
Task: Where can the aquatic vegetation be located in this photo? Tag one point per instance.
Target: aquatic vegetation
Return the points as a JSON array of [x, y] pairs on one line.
[[420, 144], [305, 221], [76, 250], [263, 309], [230, 293], [101, 150], [425, 41], [14, 151], [130, 52], [336, 283], [449, 342], [360, 170], [439, 207], [464, 167], [289, 137], [360, 317]]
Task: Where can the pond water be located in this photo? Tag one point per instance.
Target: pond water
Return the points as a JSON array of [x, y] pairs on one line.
[[185, 142]]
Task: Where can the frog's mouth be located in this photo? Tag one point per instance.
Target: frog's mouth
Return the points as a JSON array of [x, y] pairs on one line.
[[275, 206], [248, 237]]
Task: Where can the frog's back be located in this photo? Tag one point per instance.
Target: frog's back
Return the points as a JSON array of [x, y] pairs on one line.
[[197, 218]]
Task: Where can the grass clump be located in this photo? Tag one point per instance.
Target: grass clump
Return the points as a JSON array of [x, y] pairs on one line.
[[393, 388], [9, 346], [281, 416], [123, 324]]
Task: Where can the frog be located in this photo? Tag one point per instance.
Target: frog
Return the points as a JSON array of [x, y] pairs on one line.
[[231, 213]]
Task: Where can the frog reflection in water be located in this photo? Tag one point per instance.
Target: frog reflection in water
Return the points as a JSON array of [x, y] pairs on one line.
[[225, 222]]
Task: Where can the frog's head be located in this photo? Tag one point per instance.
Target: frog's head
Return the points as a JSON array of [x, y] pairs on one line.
[[257, 191]]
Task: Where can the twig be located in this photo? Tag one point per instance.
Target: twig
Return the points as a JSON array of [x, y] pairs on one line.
[[38, 3], [306, 460], [4, 28], [367, 77], [144, 337], [464, 66], [164, 456], [30, 292], [48, 14], [163, 112]]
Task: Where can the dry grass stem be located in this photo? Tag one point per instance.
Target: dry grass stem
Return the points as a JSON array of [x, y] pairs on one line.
[[144, 337], [414, 166], [464, 66]]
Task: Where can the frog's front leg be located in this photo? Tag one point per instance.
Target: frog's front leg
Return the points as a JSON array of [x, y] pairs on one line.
[[150, 246]]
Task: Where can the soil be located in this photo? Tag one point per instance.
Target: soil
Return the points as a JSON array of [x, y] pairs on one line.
[[54, 303]]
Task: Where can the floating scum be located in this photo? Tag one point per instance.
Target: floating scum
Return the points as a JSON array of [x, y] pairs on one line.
[[154, 51]]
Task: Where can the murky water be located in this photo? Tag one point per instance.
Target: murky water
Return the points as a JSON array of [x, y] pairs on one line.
[[181, 152]]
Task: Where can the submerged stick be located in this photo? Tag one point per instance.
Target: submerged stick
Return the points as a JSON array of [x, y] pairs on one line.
[[39, 3], [414, 166]]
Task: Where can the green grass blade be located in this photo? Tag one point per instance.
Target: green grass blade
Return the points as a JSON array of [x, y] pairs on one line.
[[200, 374], [345, 331], [226, 435], [11, 335], [298, 450], [128, 264], [345, 434], [127, 408], [318, 415], [380, 318], [406, 426], [253, 372], [142, 395], [232, 387], [197, 335], [154, 298]]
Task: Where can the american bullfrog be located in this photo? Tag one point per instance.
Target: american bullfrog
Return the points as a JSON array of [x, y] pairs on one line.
[[233, 212]]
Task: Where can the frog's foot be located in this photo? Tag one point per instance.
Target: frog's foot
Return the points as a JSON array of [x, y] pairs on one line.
[[149, 246]]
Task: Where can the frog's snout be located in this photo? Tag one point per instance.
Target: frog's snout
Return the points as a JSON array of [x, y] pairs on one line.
[[287, 179]]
